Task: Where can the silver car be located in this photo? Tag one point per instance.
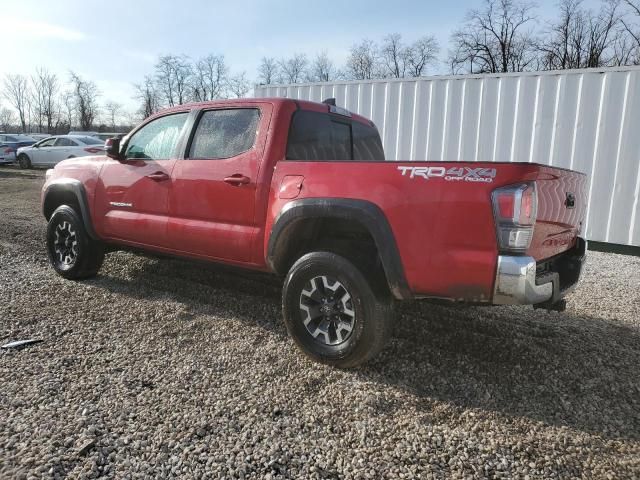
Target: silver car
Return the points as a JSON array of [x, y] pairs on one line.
[[53, 150]]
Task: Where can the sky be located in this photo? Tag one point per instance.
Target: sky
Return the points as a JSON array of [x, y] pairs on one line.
[[116, 43]]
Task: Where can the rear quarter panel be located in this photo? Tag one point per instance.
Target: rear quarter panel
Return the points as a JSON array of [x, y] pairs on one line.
[[444, 230]]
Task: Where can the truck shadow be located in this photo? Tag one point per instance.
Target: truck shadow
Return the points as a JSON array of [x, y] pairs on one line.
[[562, 369]]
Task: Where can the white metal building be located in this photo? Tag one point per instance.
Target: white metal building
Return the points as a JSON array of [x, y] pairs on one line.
[[587, 120]]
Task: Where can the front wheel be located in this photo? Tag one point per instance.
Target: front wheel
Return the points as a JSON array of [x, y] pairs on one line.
[[24, 161], [332, 312], [72, 253]]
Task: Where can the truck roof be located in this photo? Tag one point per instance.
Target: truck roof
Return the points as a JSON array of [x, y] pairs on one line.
[[276, 101]]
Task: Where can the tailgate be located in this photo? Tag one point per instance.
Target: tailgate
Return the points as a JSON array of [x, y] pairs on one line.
[[562, 203]]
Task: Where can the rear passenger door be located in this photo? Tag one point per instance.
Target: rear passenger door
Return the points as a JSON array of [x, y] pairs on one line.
[[62, 149], [212, 200]]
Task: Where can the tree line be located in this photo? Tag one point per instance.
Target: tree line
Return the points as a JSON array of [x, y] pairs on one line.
[[500, 36], [43, 102]]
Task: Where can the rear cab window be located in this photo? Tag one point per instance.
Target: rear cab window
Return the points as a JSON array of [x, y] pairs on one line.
[[318, 136]]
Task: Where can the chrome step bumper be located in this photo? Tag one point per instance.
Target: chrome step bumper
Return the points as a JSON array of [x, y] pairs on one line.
[[517, 282]]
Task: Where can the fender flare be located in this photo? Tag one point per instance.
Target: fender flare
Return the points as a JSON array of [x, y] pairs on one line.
[[75, 187], [366, 213]]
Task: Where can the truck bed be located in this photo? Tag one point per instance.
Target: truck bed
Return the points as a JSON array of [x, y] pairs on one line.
[[441, 214]]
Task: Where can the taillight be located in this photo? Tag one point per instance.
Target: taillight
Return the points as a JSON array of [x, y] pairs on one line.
[[9, 150], [515, 208], [93, 150]]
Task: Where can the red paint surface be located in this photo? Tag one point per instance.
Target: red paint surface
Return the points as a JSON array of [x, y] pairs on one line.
[[444, 230]]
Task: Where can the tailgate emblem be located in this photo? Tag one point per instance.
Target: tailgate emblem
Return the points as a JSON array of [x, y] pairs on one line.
[[570, 202]]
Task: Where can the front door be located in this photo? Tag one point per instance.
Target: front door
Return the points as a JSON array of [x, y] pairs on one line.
[[132, 195], [212, 203], [41, 153]]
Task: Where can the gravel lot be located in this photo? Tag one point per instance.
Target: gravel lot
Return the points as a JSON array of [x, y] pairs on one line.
[[161, 368]]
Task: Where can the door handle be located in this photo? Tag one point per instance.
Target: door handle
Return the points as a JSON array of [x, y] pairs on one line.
[[158, 176], [237, 180]]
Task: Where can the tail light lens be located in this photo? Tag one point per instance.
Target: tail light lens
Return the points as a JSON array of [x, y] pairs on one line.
[[515, 209], [94, 150], [9, 150]]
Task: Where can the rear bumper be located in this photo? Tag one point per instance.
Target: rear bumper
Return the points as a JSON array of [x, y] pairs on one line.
[[522, 281]]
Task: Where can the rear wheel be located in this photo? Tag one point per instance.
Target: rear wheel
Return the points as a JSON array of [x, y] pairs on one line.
[[72, 253], [332, 312], [24, 161]]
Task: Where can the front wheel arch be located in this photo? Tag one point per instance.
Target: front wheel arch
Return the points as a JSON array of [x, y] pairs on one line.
[[24, 161], [68, 191]]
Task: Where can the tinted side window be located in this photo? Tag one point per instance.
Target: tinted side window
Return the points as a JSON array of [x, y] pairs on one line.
[[158, 139], [320, 136], [366, 142], [315, 136], [225, 133]]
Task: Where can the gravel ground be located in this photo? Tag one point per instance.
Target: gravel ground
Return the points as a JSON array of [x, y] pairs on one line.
[[160, 368]]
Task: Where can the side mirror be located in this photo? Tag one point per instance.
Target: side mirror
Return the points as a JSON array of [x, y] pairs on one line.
[[112, 149]]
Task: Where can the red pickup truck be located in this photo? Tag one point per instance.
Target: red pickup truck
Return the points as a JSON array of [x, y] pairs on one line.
[[302, 189]]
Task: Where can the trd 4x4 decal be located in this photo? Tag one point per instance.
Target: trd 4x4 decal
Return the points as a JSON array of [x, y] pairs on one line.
[[453, 174]]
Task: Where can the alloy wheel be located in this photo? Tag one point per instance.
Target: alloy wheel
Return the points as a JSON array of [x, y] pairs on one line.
[[326, 309], [65, 244]]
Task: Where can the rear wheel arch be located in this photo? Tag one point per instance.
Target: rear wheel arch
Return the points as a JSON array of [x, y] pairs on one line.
[[309, 224], [68, 192]]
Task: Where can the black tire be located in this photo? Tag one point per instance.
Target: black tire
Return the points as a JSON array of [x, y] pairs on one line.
[[305, 312], [72, 253], [24, 161]]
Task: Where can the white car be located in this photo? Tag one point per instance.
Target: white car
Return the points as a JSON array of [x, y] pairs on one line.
[[53, 150]]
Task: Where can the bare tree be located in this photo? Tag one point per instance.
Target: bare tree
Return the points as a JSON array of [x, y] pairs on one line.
[[322, 69], [268, 71], [173, 77], [628, 41], [209, 78], [420, 54], [630, 23], [114, 110], [85, 94], [293, 68], [494, 38], [44, 92], [394, 56], [362, 63], [16, 92], [149, 97], [601, 34], [68, 107], [7, 118], [239, 85], [565, 39]]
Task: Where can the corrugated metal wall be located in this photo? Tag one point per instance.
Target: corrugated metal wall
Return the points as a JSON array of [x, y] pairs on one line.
[[587, 120]]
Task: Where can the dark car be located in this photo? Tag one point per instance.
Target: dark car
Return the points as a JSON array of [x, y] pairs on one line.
[[9, 144]]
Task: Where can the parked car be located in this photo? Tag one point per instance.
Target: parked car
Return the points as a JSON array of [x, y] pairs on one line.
[[10, 143], [84, 134], [302, 190], [107, 136], [57, 148]]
